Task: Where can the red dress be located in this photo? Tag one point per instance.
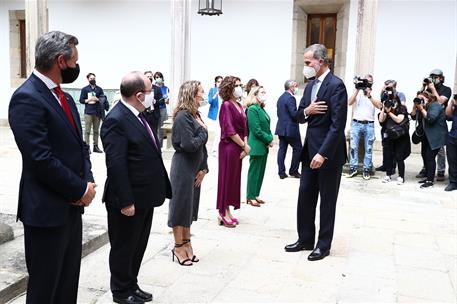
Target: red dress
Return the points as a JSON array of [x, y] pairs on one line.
[[229, 180]]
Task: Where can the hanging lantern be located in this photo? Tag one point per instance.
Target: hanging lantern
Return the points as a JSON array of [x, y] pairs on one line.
[[210, 7]]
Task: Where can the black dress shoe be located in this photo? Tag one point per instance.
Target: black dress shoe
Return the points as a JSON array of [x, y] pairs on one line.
[[381, 168], [97, 150], [143, 295], [451, 187], [283, 176], [129, 300], [318, 254], [298, 246], [296, 175]]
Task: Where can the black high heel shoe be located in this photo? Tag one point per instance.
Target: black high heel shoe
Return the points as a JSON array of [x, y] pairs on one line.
[[183, 263], [194, 258]]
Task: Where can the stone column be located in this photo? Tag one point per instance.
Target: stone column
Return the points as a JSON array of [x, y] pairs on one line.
[[180, 46], [299, 25], [366, 40], [36, 20], [366, 36]]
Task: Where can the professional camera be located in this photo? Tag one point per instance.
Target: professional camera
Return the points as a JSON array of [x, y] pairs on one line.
[[427, 81], [388, 103], [361, 83], [419, 101]]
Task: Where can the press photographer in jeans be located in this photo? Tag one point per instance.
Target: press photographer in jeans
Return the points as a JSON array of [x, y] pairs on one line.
[[393, 112], [363, 107], [435, 131], [451, 144]]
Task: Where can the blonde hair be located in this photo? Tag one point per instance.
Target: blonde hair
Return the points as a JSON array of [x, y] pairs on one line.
[[252, 97], [186, 98]]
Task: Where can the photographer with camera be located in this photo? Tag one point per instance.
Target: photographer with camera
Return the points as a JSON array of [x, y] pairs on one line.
[[364, 106], [389, 85], [435, 84], [451, 144], [431, 113], [395, 122]]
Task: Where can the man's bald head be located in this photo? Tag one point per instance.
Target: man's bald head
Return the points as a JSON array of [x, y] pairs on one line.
[[133, 83]]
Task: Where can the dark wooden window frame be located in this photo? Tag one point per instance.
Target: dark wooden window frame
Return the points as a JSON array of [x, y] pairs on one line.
[[23, 51]]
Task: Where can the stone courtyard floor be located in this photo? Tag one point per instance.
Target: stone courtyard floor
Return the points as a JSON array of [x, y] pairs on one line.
[[392, 243]]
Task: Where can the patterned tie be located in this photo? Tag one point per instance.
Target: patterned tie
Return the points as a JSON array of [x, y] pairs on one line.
[[146, 125], [314, 90], [65, 106]]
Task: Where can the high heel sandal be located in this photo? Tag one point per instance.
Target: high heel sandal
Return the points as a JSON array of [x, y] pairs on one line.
[[260, 201], [223, 222], [194, 258], [183, 263], [254, 203]]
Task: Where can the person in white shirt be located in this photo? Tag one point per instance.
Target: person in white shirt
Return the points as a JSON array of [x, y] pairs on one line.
[[364, 106]]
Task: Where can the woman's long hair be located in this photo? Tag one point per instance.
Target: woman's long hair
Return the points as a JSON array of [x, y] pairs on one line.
[[252, 97], [186, 98]]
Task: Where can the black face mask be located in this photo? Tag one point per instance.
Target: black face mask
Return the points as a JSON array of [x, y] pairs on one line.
[[70, 74], [92, 82]]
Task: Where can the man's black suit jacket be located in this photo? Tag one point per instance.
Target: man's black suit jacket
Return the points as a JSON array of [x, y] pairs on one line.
[[325, 132], [55, 161], [135, 169]]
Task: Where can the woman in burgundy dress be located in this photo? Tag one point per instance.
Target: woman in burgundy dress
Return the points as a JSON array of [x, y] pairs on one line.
[[233, 147]]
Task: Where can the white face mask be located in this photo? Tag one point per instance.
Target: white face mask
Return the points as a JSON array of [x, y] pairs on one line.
[[262, 98], [309, 72], [238, 92], [148, 100]]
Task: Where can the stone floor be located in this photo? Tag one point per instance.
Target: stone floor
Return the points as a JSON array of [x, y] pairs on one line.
[[392, 243]]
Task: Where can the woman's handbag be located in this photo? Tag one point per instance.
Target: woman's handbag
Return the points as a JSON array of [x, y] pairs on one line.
[[418, 134], [395, 131]]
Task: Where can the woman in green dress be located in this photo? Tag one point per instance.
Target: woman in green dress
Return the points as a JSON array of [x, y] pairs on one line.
[[259, 139]]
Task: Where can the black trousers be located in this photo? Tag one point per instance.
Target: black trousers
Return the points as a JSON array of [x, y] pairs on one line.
[[128, 236], [387, 158], [295, 143], [53, 258], [429, 159], [451, 149], [314, 183]]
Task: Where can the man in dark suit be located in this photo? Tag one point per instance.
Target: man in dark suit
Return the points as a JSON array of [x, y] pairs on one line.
[[56, 182], [288, 130], [137, 182], [324, 107]]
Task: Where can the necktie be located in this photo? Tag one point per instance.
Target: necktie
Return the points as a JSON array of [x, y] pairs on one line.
[[146, 125], [314, 90], [65, 106]]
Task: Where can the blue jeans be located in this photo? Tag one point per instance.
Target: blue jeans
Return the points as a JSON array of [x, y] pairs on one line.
[[367, 131]]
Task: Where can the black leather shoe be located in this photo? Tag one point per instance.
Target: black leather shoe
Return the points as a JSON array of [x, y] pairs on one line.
[[129, 300], [451, 187], [97, 150], [440, 177], [426, 184], [296, 175], [318, 254], [298, 246], [143, 295], [283, 176], [381, 168]]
